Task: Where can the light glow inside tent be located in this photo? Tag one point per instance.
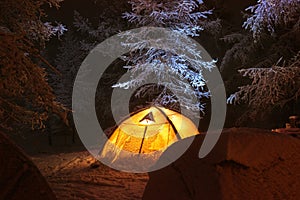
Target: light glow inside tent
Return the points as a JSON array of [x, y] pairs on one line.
[[148, 119], [150, 131]]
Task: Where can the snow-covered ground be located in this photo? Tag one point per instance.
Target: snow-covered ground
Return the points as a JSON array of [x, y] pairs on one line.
[[78, 176]]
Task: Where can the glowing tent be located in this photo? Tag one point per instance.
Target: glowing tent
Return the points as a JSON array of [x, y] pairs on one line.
[[147, 134]]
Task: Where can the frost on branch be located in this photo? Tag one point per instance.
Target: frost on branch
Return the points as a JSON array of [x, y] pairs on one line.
[[270, 87], [42, 32], [275, 28], [179, 15], [267, 15], [180, 72], [52, 30]]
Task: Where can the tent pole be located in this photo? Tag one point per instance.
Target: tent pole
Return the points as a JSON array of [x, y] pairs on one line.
[[143, 139], [171, 123]]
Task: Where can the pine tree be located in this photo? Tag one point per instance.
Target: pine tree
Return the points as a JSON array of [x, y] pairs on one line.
[[271, 15], [26, 97], [81, 38], [183, 72], [275, 76]]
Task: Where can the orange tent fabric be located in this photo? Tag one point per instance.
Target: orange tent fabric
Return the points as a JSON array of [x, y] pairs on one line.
[[147, 132]]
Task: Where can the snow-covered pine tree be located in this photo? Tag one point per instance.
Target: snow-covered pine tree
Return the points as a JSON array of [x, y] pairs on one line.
[[271, 15], [171, 70], [273, 24], [269, 88], [277, 84], [26, 97]]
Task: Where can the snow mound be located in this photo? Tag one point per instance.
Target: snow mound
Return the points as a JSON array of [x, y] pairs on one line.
[[245, 164]]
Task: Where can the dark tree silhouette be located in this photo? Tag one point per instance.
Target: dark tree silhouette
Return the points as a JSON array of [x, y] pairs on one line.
[[25, 97]]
